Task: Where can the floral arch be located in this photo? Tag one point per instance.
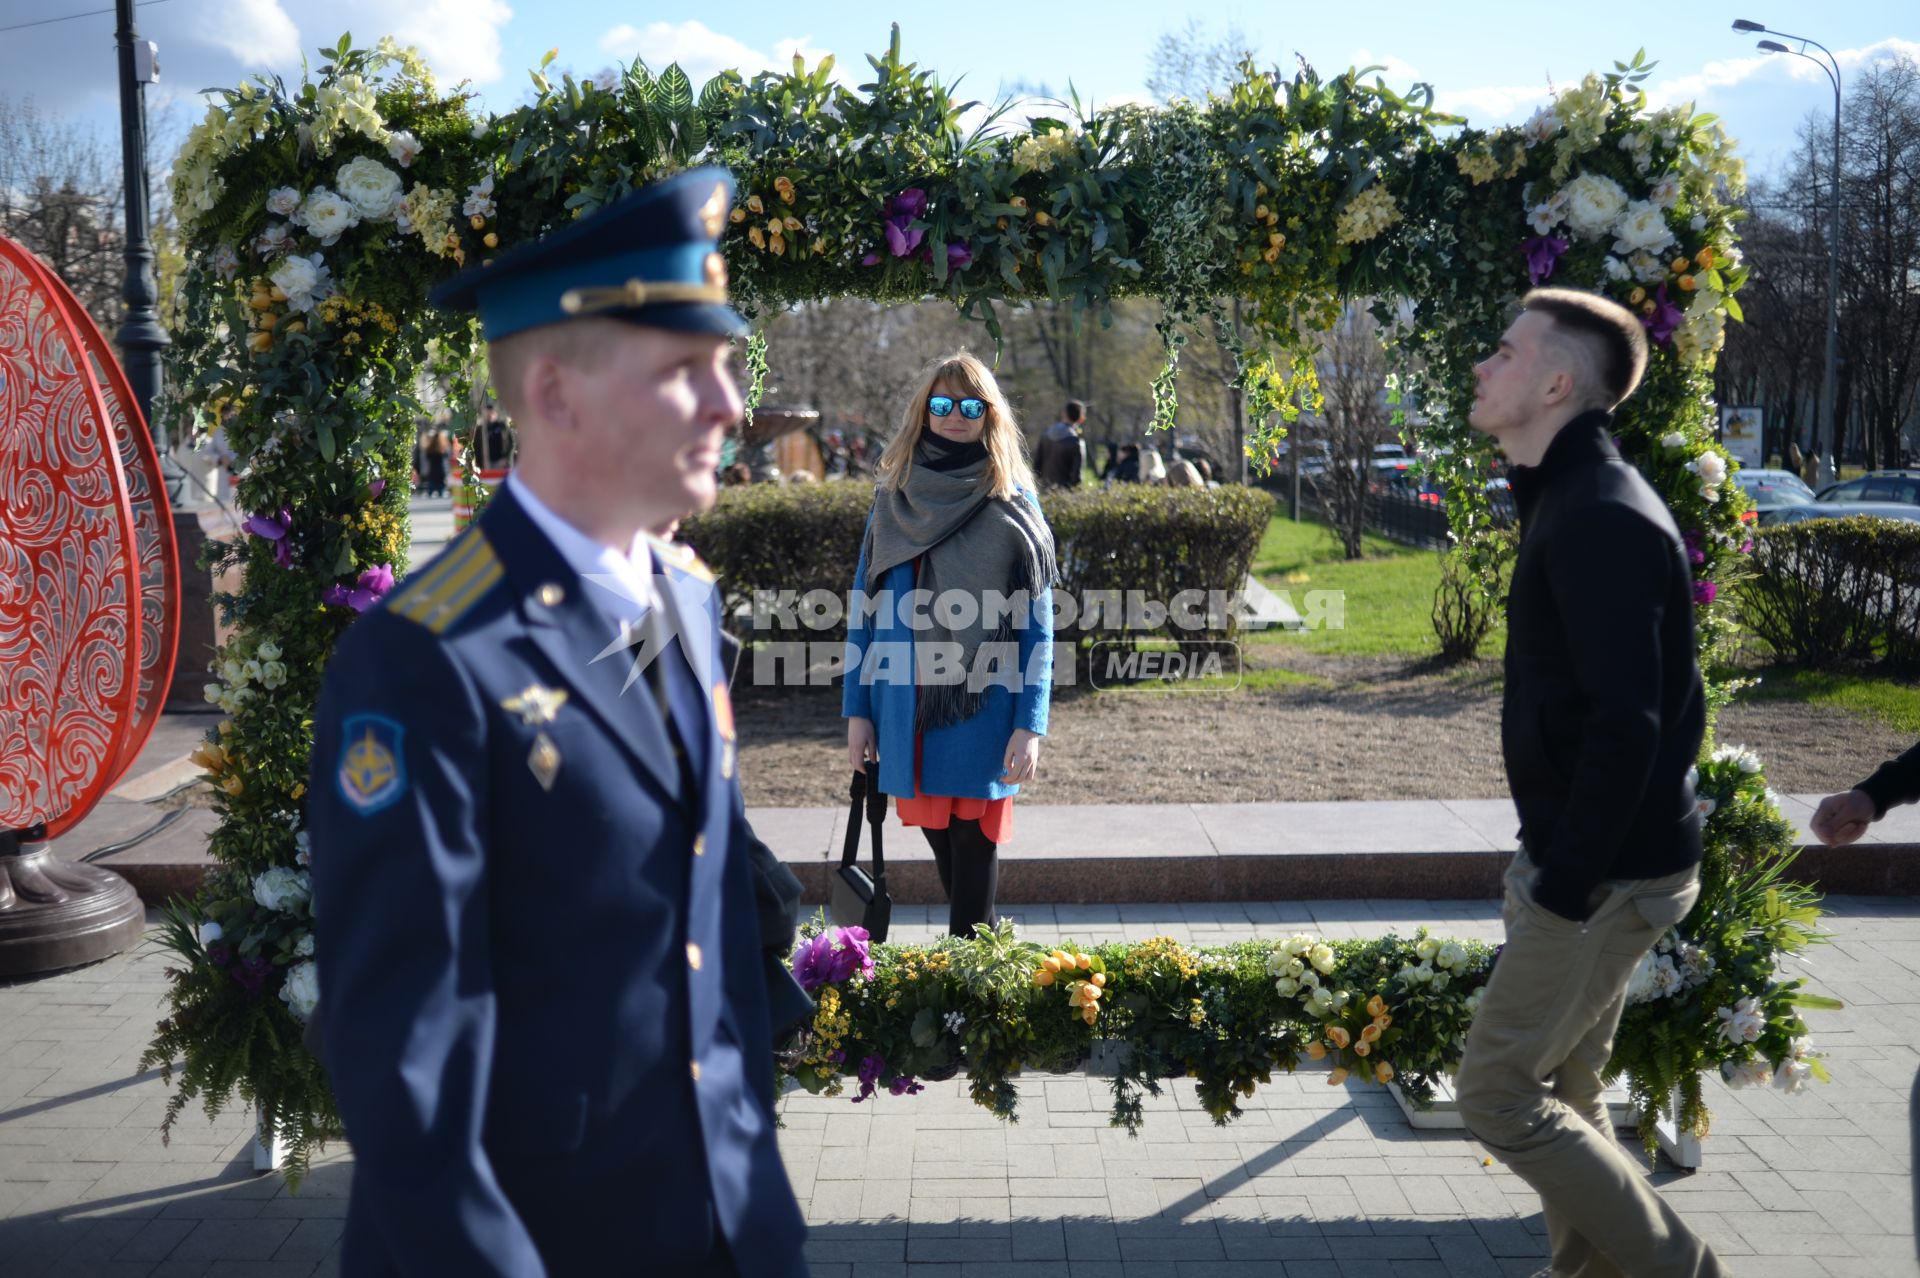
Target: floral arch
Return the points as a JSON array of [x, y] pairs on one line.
[[317, 217]]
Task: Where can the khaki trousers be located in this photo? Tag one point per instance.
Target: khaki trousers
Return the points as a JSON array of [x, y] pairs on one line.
[[1529, 1083]]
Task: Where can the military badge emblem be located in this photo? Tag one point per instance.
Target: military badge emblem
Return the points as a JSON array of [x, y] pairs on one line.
[[536, 705], [372, 773], [544, 761]]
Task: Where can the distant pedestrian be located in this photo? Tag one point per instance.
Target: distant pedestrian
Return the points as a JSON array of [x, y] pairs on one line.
[[1061, 457], [436, 449]]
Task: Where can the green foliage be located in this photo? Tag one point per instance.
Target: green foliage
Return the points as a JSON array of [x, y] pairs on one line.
[[1472, 594], [1829, 593]]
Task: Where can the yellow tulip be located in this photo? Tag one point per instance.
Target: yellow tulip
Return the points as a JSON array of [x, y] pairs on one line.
[[1091, 1014], [1043, 977], [266, 320], [1100, 979], [1052, 963], [1337, 1036], [299, 789], [1338, 1076], [1018, 201], [1705, 259], [1316, 1050], [820, 244], [1040, 218], [1260, 212], [233, 786], [1000, 224], [755, 203], [298, 326], [777, 245], [1272, 255], [1362, 1048], [1082, 961], [1647, 307], [793, 223], [1063, 958], [1638, 296], [260, 343], [1686, 283], [783, 187], [1260, 189], [756, 237], [1382, 1072], [1376, 1006], [261, 302], [1679, 265], [490, 240], [738, 216], [477, 222], [1371, 1034]]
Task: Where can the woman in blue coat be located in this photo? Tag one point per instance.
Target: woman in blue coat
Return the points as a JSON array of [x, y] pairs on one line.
[[950, 637]]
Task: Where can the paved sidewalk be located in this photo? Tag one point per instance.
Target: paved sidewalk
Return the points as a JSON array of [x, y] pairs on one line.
[[1313, 1182]]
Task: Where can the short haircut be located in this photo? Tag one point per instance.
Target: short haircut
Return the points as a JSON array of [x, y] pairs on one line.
[[581, 343], [1606, 340], [1075, 411]]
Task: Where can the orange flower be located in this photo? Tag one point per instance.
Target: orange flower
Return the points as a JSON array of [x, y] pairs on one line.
[[1371, 1034], [755, 203], [1316, 1050], [1090, 1014], [756, 237], [1376, 1006], [1362, 1048], [793, 223], [1338, 1076], [1337, 1036], [737, 216], [1686, 283], [1705, 259], [1679, 265], [1638, 296], [783, 187], [1382, 1072], [1040, 218], [1043, 977], [777, 245]]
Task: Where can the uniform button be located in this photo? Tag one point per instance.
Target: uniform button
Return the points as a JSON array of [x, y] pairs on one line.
[[552, 593], [699, 845], [696, 1071], [693, 956]]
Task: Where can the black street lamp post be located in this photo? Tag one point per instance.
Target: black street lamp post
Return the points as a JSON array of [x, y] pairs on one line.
[[1829, 384], [141, 339]]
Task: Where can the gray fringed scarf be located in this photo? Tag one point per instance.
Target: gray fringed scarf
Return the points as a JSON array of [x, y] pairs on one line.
[[972, 542]]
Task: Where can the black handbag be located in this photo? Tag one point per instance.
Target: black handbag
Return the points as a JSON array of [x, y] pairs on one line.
[[860, 899]]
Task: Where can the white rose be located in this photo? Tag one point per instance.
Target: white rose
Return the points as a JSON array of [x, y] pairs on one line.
[[1542, 125], [1647, 268], [373, 188], [210, 932], [1594, 204], [305, 280], [1321, 956], [1642, 227], [303, 843], [1673, 439], [327, 215], [282, 888], [403, 147], [1299, 943], [1640, 984], [1286, 987], [1310, 979], [303, 948], [267, 650], [273, 674], [1441, 980], [213, 692], [301, 993], [1452, 954], [284, 201], [1426, 947], [252, 669], [1698, 221], [233, 671], [1666, 192], [1615, 268], [1712, 469]]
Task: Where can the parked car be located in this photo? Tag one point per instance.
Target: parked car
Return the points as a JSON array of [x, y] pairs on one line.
[[1879, 485], [1771, 489], [1824, 509]]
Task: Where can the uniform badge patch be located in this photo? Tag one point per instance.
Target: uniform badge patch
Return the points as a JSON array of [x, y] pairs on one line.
[[544, 761], [537, 704], [723, 710], [373, 773]]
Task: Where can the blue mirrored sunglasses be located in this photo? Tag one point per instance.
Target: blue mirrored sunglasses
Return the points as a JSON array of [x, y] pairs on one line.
[[971, 409]]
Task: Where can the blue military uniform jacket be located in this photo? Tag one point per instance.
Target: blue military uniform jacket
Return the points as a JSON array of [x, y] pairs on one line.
[[545, 1015]]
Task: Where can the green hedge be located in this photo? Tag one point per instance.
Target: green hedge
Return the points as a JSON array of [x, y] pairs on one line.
[[1158, 541], [1837, 592]]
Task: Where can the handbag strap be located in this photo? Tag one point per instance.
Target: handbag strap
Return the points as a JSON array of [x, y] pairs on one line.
[[865, 791]]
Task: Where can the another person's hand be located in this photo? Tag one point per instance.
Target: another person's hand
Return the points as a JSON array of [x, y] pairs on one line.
[[1842, 818], [1023, 757], [862, 744]]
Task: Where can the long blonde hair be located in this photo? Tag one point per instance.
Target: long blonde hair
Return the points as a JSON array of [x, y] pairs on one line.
[[1007, 468]]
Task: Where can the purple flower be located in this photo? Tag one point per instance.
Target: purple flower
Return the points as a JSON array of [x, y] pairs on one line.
[[959, 257], [1704, 591], [375, 488], [897, 218], [1666, 317], [871, 259], [252, 974], [870, 1070], [369, 590], [1543, 253], [853, 952], [1746, 547], [813, 962], [904, 1085], [274, 528], [218, 955]]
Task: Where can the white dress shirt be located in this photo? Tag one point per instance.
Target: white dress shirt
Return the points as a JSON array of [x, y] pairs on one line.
[[621, 585]]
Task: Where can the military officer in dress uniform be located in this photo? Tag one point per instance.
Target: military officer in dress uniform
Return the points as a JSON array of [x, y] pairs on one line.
[[545, 1014]]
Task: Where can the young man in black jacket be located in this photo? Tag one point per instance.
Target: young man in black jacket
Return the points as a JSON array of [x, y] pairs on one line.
[[1602, 721], [1842, 818]]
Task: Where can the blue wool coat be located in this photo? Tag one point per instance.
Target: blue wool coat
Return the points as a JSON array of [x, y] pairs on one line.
[[964, 760]]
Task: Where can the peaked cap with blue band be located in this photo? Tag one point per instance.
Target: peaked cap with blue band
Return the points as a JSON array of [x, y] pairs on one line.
[[651, 257]]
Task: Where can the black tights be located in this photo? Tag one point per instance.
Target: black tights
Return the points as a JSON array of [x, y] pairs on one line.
[[969, 867]]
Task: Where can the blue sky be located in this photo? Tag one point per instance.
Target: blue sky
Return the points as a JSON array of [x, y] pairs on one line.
[[1491, 60]]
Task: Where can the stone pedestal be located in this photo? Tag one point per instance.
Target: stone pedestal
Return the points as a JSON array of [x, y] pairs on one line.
[[190, 674], [56, 914]]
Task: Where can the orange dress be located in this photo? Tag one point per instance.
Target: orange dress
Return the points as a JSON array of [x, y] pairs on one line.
[[937, 811]]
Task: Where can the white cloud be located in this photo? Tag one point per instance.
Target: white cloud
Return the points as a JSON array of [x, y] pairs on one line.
[[703, 52], [460, 39], [1397, 72], [1732, 72], [1483, 106], [256, 32]]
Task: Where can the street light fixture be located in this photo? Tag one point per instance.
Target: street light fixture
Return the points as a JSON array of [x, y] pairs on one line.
[[1830, 65]]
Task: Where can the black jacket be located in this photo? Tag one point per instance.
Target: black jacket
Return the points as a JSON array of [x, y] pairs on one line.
[[1895, 782], [1604, 708]]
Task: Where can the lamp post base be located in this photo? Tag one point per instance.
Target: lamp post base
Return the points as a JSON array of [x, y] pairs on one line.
[[56, 914]]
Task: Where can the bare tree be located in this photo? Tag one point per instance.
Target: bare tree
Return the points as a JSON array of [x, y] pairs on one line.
[[1191, 63], [60, 196], [1353, 369]]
